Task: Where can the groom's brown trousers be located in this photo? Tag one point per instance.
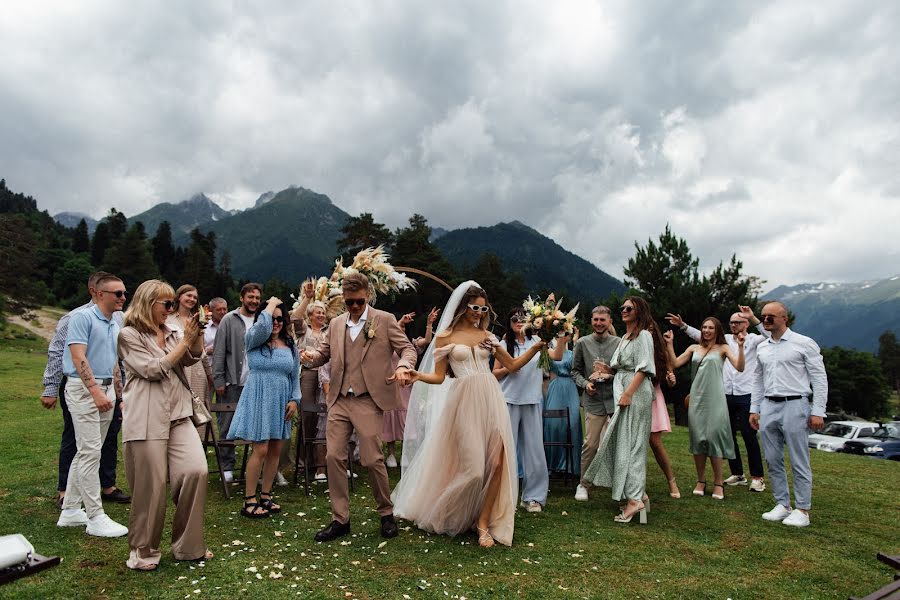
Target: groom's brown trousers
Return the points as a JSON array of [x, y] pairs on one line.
[[345, 415]]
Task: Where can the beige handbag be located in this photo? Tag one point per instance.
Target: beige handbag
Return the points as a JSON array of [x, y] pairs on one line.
[[200, 415]]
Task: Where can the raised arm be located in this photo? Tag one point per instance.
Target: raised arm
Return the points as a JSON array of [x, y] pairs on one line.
[[674, 361], [736, 361], [675, 320]]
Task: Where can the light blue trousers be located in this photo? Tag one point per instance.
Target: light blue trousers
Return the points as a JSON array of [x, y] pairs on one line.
[[787, 424], [528, 437]]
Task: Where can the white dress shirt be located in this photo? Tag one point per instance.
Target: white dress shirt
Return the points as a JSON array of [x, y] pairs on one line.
[[738, 383], [355, 328], [791, 366]]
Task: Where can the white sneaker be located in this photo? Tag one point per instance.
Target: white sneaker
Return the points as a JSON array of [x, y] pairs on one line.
[[321, 477], [581, 493], [228, 476], [72, 517], [353, 474], [532, 506], [280, 480], [390, 462], [779, 513], [103, 526], [757, 485], [736, 480], [797, 518]]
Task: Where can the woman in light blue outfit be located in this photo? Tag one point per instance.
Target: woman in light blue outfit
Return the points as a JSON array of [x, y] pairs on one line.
[[563, 393], [268, 403], [524, 398]]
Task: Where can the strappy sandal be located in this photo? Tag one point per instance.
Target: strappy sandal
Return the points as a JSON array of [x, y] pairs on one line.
[[253, 510], [716, 496], [265, 500], [700, 492], [485, 539]]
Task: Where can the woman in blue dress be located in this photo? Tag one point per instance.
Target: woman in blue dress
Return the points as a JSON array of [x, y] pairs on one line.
[[268, 403], [563, 393]]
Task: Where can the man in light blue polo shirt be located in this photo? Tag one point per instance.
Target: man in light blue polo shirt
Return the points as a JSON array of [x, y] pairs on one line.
[[90, 364]]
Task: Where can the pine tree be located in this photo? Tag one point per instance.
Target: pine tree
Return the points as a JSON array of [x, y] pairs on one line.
[[81, 241], [100, 243], [164, 252], [360, 233], [130, 258]]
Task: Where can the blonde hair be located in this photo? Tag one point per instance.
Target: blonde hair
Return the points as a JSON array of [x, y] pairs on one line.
[[140, 313], [314, 305]]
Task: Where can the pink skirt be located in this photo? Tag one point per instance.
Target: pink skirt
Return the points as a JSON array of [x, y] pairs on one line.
[[660, 413], [395, 420]]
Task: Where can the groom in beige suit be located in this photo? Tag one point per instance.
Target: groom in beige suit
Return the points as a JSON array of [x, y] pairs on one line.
[[360, 344]]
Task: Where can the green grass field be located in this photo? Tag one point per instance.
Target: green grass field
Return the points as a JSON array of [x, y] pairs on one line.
[[691, 548]]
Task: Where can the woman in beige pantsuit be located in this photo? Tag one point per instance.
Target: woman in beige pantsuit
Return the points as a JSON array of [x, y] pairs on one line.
[[160, 441]]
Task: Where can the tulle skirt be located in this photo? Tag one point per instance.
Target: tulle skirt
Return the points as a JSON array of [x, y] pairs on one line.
[[444, 488]]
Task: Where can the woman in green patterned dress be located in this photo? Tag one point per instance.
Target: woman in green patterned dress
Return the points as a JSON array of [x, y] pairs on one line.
[[621, 461], [708, 421]]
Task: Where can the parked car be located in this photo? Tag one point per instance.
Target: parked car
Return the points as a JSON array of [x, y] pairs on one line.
[[883, 443], [835, 434]]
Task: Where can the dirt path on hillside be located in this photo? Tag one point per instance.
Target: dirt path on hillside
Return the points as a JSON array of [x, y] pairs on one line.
[[43, 326]]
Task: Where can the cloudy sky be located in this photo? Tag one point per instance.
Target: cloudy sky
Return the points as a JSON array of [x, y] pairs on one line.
[[769, 129]]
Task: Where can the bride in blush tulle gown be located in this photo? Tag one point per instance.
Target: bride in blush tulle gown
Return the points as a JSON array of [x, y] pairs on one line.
[[459, 458]]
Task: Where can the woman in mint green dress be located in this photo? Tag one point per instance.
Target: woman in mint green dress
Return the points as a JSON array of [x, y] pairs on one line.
[[708, 421], [621, 461]]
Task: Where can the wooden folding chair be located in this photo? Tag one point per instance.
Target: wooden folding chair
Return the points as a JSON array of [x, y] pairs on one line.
[[563, 413], [307, 448], [213, 440]]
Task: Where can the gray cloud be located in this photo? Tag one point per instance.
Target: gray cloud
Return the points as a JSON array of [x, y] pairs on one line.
[[766, 129]]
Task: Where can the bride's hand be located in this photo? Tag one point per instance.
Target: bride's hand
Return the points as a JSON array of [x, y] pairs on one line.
[[487, 343]]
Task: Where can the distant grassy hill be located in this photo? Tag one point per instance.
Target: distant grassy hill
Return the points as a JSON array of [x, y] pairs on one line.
[[542, 262]]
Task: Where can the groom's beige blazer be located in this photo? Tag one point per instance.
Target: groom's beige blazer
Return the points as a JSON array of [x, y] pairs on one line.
[[383, 338]]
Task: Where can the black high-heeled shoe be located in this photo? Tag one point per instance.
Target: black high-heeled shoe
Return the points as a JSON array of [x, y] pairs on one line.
[[700, 492]]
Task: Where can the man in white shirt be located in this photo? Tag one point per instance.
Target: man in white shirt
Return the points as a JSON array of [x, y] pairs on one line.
[[789, 366], [738, 388], [217, 309]]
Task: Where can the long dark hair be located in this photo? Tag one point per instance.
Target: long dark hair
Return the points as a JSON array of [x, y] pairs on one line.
[[660, 355], [472, 293], [644, 318], [283, 334], [720, 331], [510, 335]]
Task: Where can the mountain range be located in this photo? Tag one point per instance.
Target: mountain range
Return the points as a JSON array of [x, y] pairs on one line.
[[292, 235], [542, 262], [198, 210], [71, 219], [851, 315]]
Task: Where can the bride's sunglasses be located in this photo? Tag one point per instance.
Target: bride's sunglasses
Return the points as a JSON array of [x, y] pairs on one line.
[[479, 308]]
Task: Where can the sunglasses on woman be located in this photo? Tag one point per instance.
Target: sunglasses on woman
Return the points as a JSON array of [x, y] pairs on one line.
[[478, 308], [354, 302], [626, 309], [167, 304], [517, 319], [279, 320]]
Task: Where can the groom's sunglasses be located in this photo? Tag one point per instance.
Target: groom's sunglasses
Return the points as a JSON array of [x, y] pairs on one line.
[[478, 308], [354, 301]]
